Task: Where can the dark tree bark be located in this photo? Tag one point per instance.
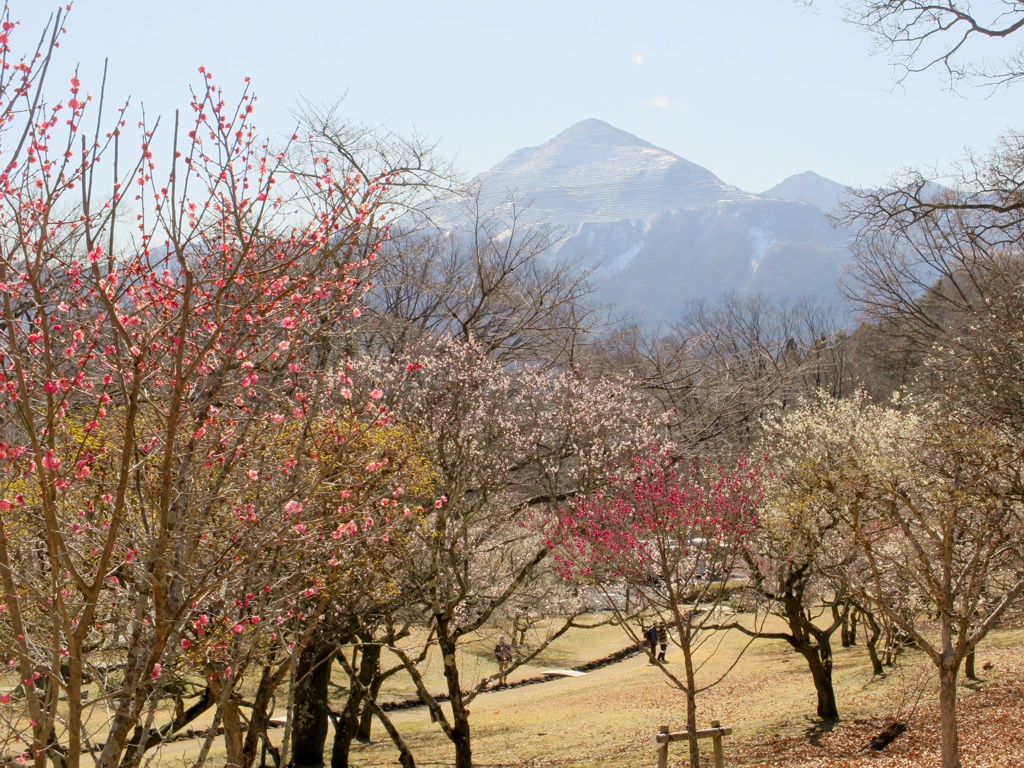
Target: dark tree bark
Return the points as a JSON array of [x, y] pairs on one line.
[[364, 731], [182, 717], [874, 632], [811, 642], [346, 724], [405, 758], [815, 645], [310, 710], [804, 636], [459, 735], [819, 661], [259, 717], [969, 666]]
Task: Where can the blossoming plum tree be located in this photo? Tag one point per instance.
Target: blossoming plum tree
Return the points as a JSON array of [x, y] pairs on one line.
[[673, 535], [175, 427], [926, 500], [501, 440]]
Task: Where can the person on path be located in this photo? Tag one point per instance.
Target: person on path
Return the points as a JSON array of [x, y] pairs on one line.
[[651, 636], [662, 631], [503, 655]]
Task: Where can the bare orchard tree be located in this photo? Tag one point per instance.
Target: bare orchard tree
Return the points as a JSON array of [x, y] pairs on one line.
[[500, 441], [411, 169], [493, 280], [926, 500], [957, 37], [727, 363], [943, 275]]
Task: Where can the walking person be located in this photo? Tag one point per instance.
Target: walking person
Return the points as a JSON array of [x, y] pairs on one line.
[[662, 631], [651, 637], [503, 655]]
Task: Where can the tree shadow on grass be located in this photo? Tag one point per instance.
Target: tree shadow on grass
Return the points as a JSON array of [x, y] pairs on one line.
[[975, 685], [819, 728]]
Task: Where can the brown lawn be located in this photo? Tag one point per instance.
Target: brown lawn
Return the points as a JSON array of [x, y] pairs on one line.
[[609, 716]]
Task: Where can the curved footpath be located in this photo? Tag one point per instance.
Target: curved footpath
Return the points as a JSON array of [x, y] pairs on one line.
[[612, 658], [390, 706]]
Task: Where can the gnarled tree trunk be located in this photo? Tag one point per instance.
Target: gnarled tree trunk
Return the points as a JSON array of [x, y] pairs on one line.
[[310, 710], [459, 735], [949, 740]]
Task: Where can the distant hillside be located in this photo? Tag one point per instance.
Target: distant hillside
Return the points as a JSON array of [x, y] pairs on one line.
[[593, 172], [660, 230], [808, 187]]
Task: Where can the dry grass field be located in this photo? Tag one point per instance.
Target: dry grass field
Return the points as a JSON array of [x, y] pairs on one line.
[[609, 716]]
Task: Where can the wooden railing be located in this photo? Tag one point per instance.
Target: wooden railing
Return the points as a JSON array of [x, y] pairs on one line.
[[715, 733]]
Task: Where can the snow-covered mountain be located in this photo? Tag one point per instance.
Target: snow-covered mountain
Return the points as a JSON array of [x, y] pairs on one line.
[[659, 230], [593, 172], [808, 187]]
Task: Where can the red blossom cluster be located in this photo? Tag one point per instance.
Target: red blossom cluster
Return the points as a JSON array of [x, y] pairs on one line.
[[655, 513], [177, 428]]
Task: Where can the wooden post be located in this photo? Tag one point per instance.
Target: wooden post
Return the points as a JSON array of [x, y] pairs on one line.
[[716, 743], [715, 733]]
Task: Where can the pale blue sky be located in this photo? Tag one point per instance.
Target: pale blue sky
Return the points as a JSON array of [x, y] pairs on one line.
[[755, 90]]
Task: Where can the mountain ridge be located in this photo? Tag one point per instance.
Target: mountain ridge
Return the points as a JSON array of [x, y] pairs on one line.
[[657, 230], [811, 188], [594, 172]]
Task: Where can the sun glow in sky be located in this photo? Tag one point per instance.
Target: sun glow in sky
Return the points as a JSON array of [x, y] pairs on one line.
[[755, 90]]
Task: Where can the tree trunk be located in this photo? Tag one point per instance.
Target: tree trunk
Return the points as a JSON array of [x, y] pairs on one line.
[[691, 702], [233, 738], [405, 758], [821, 672], [342, 739], [460, 734], [365, 729], [310, 711], [133, 754], [949, 741], [814, 645], [969, 666], [874, 633], [346, 725], [371, 657], [259, 717]]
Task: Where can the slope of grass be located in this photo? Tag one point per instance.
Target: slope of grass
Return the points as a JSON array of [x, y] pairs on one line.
[[610, 716]]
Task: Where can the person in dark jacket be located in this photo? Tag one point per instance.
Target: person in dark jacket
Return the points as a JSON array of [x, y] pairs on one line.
[[651, 637], [503, 655]]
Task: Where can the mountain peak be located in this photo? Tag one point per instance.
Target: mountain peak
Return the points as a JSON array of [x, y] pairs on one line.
[[811, 188], [593, 171], [594, 128], [591, 124]]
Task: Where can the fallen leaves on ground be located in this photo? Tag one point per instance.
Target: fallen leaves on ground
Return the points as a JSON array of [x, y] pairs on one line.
[[990, 714]]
